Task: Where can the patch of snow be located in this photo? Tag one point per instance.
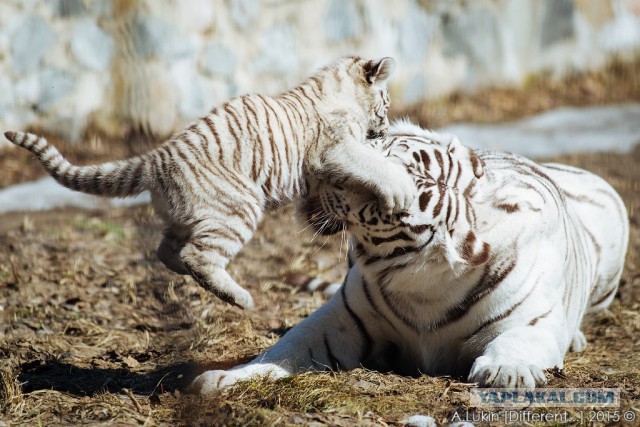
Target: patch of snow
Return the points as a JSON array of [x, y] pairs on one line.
[[46, 193], [561, 131]]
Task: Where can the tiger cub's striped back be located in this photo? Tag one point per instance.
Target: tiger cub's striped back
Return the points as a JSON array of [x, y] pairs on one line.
[[211, 182], [488, 275]]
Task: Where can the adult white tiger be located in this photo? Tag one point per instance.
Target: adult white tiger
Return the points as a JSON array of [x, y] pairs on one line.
[[489, 274]]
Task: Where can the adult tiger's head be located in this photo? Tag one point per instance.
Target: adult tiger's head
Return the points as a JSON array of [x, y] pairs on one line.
[[362, 82], [441, 223]]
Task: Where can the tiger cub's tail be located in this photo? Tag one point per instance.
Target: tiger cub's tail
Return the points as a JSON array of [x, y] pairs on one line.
[[309, 283], [113, 179]]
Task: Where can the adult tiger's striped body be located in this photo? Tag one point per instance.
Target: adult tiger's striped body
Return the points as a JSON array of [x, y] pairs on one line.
[[489, 275], [212, 182]]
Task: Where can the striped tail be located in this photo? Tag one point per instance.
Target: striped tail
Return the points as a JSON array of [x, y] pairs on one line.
[[113, 179], [309, 283]]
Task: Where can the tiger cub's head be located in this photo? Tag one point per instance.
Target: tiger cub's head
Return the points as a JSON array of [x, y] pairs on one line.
[[440, 224], [354, 81]]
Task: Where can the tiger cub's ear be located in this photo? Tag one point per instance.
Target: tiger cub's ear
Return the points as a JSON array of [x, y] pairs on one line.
[[378, 71], [477, 165]]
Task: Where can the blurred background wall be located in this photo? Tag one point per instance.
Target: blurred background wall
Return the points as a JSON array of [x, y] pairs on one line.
[[151, 66]]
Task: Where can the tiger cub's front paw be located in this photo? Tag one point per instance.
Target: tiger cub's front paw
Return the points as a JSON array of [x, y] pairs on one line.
[[396, 191], [488, 373]]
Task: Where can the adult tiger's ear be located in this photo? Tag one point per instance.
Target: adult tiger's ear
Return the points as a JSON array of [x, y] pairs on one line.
[[378, 71], [477, 165]]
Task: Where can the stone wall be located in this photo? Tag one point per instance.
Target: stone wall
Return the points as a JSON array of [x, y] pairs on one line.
[[154, 65]]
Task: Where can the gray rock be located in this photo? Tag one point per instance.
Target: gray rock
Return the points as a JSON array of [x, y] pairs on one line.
[[244, 12], [189, 87], [65, 124], [26, 90], [55, 84], [92, 47], [8, 97], [557, 24], [475, 34], [29, 44], [154, 37], [342, 21], [277, 51], [68, 8], [101, 8], [415, 33], [219, 60]]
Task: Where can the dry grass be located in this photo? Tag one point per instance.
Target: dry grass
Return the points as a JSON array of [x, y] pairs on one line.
[[618, 82], [94, 330]]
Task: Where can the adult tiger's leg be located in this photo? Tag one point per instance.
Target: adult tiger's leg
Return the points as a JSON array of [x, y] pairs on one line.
[[579, 342], [331, 338], [518, 357]]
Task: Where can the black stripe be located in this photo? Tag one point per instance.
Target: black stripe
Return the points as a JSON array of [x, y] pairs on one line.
[[368, 342], [398, 236], [314, 363], [373, 304], [501, 316], [397, 252], [333, 360], [394, 310], [488, 282], [385, 272]]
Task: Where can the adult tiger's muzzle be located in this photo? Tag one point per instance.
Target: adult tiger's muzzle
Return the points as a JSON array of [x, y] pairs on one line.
[[323, 222]]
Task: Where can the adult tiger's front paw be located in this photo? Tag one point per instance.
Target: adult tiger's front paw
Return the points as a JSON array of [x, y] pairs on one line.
[[488, 373], [396, 191], [210, 382]]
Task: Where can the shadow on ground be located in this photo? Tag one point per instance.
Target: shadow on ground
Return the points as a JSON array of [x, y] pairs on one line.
[[69, 378]]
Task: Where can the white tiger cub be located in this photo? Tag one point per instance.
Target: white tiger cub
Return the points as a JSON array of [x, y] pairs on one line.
[[487, 276], [212, 182]]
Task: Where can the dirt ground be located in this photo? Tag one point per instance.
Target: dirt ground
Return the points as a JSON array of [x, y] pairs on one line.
[[94, 330]]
